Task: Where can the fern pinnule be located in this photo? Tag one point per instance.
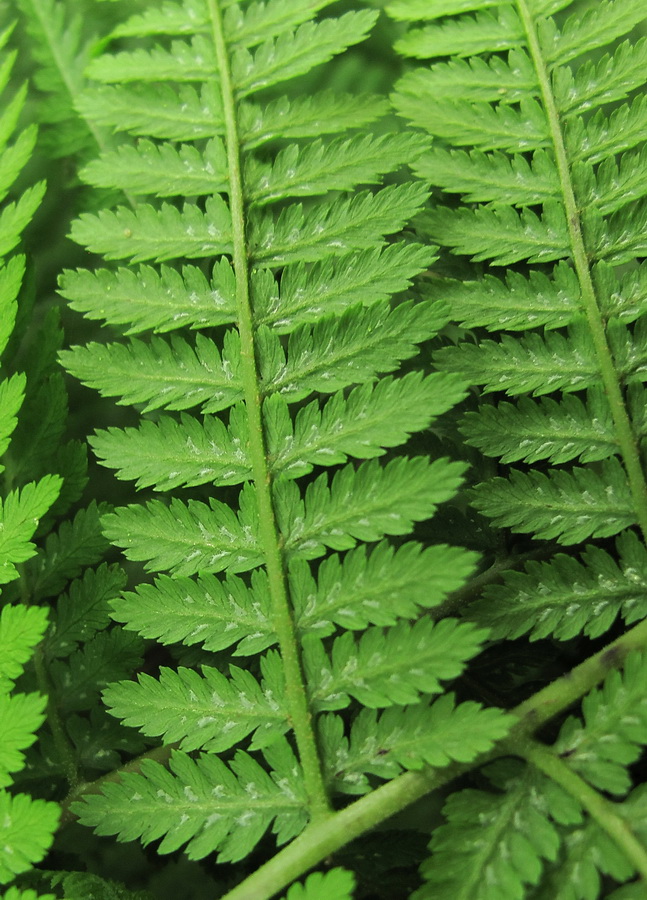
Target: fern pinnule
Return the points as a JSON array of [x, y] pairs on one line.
[[552, 187], [281, 346]]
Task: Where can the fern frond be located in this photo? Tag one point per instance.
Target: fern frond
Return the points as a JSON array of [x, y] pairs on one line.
[[175, 375], [146, 298], [613, 730], [558, 195], [218, 451], [281, 200], [77, 543], [61, 47], [361, 424], [569, 506], [345, 350], [79, 679], [363, 589], [363, 504], [505, 837], [84, 609], [158, 234], [188, 538], [20, 512], [557, 432], [26, 825]]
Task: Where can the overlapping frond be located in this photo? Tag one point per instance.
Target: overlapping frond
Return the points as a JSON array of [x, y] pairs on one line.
[[541, 130], [267, 375]]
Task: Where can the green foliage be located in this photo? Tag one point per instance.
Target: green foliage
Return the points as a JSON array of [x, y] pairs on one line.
[[570, 210], [322, 273], [315, 381]]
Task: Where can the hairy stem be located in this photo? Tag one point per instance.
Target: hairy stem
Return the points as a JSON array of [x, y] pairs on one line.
[[626, 438], [300, 716]]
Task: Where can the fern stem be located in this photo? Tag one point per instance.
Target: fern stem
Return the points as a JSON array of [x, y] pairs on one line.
[[598, 807], [567, 690], [626, 438], [300, 715], [321, 839]]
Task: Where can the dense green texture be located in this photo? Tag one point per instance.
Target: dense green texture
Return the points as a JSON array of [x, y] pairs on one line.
[[361, 370]]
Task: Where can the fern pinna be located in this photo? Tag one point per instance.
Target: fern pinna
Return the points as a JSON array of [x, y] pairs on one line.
[[266, 363], [541, 128]]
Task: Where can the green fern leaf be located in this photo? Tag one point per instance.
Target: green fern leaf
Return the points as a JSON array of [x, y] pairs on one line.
[[613, 731], [552, 184], [519, 302], [61, 49], [363, 504], [12, 392], [496, 841], [323, 112], [338, 164], [15, 893], [219, 452], [557, 432], [161, 375], [188, 538], [77, 543], [26, 830], [206, 803], [162, 301], [569, 506], [309, 262], [26, 825], [309, 291], [84, 609], [363, 589], [108, 655], [20, 512], [567, 597], [346, 350], [208, 711], [435, 734], [360, 424], [215, 613], [336, 883], [21, 628], [163, 171], [22, 715], [149, 233], [378, 669]]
